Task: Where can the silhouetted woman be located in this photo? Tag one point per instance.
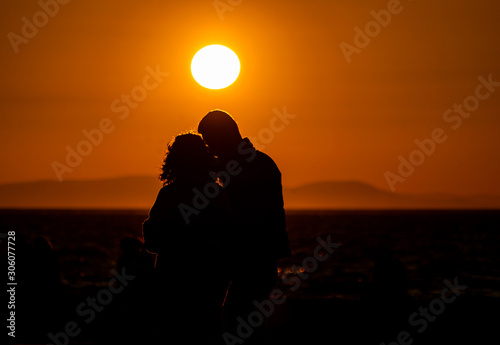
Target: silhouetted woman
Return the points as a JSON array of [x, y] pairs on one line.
[[187, 229]]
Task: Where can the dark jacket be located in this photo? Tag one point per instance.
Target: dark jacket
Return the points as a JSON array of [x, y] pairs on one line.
[[185, 227], [256, 197]]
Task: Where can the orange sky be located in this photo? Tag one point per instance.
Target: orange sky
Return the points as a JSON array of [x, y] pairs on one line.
[[352, 119]]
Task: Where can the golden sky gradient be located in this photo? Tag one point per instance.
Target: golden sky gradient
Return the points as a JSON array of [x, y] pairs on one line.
[[347, 120]]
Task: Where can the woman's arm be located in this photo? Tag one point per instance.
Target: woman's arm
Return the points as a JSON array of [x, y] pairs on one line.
[[155, 226]]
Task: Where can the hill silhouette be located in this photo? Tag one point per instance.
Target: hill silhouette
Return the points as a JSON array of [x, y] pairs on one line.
[[358, 195], [139, 192], [134, 192]]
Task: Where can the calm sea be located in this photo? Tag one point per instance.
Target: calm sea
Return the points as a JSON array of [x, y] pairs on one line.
[[431, 245]]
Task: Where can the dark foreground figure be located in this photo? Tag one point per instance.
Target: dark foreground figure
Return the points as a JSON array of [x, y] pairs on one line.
[[218, 227], [252, 182], [188, 287]]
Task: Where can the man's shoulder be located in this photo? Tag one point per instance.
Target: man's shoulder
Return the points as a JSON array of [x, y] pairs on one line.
[[264, 157], [256, 159], [265, 160]]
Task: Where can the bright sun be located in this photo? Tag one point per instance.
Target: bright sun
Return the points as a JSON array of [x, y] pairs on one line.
[[215, 67]]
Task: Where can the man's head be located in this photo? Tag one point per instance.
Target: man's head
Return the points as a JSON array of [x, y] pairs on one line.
[[220, 132]]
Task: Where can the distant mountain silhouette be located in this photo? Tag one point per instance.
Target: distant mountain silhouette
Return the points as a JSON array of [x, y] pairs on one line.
[[139, 192], [358, 195], [135, 192]]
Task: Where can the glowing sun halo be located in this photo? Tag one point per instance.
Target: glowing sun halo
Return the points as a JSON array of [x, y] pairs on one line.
[[215, 67]]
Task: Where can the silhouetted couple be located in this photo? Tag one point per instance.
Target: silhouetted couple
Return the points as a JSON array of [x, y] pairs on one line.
[[218, 227]]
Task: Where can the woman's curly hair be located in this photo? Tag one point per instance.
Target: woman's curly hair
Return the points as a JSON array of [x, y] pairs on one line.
[[187, 157]]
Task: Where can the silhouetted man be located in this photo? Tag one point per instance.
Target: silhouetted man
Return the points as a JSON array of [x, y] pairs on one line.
[[259, 238]]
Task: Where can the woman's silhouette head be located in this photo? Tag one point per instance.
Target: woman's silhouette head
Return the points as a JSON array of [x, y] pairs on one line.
[[187, 159], [220, 132]]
